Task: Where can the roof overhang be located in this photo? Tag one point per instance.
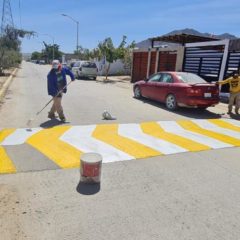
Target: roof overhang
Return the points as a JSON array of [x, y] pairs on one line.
[[182, 38]]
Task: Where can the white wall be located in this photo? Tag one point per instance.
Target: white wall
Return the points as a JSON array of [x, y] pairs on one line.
[[116, 68]]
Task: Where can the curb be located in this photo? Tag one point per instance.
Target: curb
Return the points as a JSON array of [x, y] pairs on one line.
[[7, 84]]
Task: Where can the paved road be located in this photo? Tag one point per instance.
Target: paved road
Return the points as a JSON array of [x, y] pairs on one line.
[[85, 102], [189, 195]]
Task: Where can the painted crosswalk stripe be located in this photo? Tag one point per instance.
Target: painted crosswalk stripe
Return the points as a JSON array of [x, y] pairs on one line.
[[192, 126], [47, 142], [173, 127], [81, 138], [212, 127], [225, 124], [20, 136], [109, 134], [134, 132], [155, 130], [232, 121], [6, 165]]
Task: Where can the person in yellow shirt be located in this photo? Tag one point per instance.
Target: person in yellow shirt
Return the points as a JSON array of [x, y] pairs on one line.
[[234, 83]]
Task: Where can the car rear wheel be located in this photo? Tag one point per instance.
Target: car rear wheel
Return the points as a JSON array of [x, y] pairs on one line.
[[137, 92], [203, 108], [171, 102]]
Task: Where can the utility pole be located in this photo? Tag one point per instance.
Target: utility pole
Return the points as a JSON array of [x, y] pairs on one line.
[[7, 19], [74, 20]]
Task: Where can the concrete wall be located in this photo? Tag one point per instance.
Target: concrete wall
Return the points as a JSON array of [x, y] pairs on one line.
[[116, 68]]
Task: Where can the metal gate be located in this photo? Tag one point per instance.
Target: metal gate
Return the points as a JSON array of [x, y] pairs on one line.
[[204, 61], [233, 63]]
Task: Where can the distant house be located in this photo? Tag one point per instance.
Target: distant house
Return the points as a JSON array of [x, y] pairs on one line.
[[210, 57]]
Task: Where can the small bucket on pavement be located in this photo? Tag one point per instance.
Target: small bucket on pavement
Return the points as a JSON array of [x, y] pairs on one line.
[[90, 168]]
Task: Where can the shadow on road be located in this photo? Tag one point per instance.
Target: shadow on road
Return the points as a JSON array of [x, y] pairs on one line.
[[109, 81], [88, 189], [196, 113], [86, 79], [236, 117], [52, 123]]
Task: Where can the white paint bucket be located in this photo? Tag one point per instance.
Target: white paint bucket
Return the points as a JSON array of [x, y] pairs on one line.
[[90, 167]]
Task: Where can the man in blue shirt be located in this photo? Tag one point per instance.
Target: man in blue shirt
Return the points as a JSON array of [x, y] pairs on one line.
[[57, 83]]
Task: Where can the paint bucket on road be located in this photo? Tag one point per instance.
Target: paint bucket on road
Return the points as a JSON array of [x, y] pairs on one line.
[[90, 168]]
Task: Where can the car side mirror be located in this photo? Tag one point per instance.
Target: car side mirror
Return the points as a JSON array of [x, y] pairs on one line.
[[145, 79]]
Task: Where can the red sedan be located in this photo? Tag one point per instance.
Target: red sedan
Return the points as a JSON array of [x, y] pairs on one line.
[[178, 89]]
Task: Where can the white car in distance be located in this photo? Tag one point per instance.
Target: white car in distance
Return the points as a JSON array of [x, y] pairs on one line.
[[85, 69]]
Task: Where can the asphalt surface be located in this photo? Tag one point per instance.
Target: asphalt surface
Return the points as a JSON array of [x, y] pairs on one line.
[[84, 102], [180, 196]]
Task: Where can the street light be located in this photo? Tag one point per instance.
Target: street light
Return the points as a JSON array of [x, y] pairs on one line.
[[53, 53], [65, 15]]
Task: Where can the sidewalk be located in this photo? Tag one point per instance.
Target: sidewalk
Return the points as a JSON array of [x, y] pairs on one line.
[[5, 81]]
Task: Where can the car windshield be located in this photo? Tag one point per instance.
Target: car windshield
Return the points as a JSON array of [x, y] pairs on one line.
[[76, 64], [190, 78], [89, 65]]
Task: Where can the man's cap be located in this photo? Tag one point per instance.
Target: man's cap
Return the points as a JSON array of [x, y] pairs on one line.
[[55, 62]]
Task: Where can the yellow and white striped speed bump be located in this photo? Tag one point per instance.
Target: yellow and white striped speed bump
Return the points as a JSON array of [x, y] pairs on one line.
[[117, 142]]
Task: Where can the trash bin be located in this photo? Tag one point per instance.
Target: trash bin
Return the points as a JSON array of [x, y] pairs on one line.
[[90, 168]]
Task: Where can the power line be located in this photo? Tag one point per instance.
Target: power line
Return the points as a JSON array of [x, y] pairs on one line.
[[20, 13], [7, 18]]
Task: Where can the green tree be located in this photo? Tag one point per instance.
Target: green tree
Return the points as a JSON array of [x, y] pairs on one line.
[[108, 51], [127, 57], [36, 56], [51, 50], [10, 47]]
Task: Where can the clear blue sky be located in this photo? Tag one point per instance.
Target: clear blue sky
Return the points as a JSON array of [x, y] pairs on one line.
[[137, 19]]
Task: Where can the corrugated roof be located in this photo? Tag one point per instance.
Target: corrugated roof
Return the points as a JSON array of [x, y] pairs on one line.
[[183, 38]]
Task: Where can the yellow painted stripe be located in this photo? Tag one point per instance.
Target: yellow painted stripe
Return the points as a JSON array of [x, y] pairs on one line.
[[6, 165], [109, 134], [188, 125], [47, 142], [224, 124], [5, 133], [155, 130]]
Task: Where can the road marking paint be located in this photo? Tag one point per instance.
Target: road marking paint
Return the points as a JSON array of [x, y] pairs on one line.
[[212, 127], [191, 126], [109, 134], [175, 128], [134, 132], [47, 142], [224, 124], [232, 121], [4, 133], [19, 136], [155, 130], [81, 138], [6, 165]]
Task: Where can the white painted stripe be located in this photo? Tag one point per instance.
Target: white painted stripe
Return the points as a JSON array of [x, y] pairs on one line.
[[212, 127], [81, 138], [232, 121], [173, 127], [134, 132], [20, 136]]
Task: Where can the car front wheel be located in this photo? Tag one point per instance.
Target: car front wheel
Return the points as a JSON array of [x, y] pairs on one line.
[[171, 102], [137, 92]]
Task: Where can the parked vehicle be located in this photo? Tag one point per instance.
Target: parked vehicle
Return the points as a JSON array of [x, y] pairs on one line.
[[42, 62], [85, 69], [178, 89]]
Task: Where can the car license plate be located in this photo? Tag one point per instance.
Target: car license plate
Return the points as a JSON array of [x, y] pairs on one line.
[[207, 95]]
